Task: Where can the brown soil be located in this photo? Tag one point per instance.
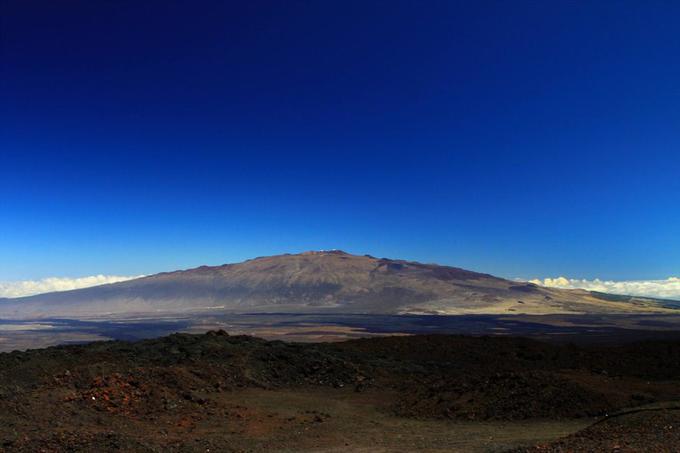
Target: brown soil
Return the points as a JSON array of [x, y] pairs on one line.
[[650, 431], [236, 393]]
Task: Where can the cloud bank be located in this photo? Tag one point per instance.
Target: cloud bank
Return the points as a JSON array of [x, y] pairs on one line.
[[664, 289], [48, 285]]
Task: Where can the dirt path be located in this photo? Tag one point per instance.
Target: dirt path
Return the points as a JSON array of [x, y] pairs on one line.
[[342, 420], [254, 420]]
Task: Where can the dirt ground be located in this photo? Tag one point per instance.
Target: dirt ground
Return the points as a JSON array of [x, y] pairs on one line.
[[216, 392], [637, 431], [274, 420]]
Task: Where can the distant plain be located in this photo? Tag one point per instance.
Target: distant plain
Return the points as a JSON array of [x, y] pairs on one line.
[[608, 329]]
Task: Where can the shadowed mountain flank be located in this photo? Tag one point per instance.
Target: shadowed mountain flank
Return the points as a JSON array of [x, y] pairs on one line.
[[321, 281]]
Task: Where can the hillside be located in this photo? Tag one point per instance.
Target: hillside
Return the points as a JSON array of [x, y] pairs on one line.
[[325, 281], [220, 392]]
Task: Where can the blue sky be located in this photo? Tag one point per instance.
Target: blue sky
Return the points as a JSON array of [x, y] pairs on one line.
[[524, 139]]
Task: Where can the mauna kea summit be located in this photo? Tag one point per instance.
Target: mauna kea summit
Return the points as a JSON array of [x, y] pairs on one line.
[[323, 282]]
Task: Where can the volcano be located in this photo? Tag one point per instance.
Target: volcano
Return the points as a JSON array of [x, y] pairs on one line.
[[323, 282]]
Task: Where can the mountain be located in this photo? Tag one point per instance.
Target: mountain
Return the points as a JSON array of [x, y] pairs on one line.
[[322, 281]]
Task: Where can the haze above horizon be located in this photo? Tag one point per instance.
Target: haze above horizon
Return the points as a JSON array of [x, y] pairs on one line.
[[517, 139]]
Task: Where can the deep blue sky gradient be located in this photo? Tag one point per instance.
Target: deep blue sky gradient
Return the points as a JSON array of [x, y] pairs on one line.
[[524, 139]]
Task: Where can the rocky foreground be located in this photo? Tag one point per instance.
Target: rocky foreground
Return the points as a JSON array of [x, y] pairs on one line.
[[219, 392]]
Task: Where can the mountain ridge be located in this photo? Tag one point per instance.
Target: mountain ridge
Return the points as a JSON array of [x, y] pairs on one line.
[[331, 281]]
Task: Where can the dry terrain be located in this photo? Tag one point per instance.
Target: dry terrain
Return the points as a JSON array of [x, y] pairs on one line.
[[220, 392], [330, 282]]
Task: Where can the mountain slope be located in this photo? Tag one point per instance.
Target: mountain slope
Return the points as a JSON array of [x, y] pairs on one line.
[[326, 281]]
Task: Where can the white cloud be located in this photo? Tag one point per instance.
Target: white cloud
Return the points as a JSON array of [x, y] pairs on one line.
[[665, 289], [48, 285]]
